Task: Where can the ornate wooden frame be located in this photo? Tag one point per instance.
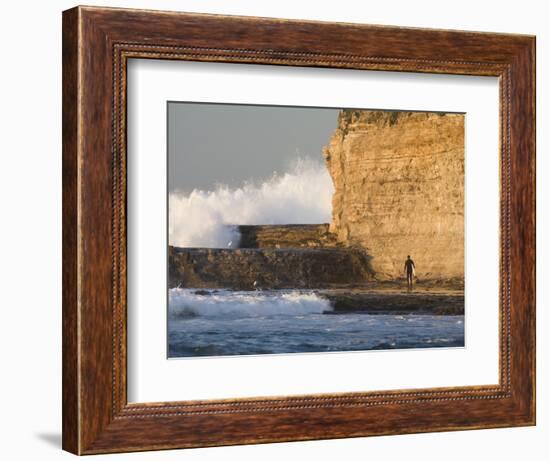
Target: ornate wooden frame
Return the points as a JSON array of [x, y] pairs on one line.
[[97, 43]]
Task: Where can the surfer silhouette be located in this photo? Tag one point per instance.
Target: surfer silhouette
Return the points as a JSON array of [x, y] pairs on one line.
[[410, 271]]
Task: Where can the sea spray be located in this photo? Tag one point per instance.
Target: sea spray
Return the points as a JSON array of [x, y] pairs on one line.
[[188, 303], [210, 218]]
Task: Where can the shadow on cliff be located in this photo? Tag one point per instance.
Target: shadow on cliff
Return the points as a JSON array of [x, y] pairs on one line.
[[364, 261]]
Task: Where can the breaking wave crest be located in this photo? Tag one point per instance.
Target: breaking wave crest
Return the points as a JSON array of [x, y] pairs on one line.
[[186, 303], [209, 218]]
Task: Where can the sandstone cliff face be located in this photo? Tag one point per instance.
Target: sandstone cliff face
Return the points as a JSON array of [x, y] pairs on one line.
[[399, 189]]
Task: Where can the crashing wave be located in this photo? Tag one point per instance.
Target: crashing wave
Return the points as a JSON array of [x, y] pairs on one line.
[[207, 218], [188, 303]]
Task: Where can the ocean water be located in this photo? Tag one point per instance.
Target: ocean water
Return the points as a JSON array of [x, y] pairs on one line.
[[222, 322]]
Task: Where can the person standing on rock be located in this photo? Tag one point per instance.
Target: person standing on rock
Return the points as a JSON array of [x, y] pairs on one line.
[[409, 270]]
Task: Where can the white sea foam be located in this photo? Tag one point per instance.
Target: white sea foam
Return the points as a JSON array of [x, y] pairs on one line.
[[209, 218], [236, 304]]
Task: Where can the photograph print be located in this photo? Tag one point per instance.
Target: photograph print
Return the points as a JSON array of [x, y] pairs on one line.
[[313, 230]]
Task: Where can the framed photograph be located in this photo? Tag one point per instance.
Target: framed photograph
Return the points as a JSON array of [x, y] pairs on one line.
[[281, 230]]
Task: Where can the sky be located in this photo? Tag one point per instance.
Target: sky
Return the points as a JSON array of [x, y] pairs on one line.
[[212, 144]]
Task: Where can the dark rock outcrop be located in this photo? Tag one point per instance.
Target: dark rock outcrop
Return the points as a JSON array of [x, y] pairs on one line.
[[247, 269], [395, 303]]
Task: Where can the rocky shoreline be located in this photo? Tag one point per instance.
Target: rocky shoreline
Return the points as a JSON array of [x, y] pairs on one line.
[[386, 298], [341, 275], [386, 302], [267, 268]]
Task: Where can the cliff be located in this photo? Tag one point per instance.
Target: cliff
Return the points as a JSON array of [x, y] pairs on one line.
[[399, 190]]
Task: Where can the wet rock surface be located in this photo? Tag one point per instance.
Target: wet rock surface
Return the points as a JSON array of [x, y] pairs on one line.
[[269, 268], [395, 303]]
